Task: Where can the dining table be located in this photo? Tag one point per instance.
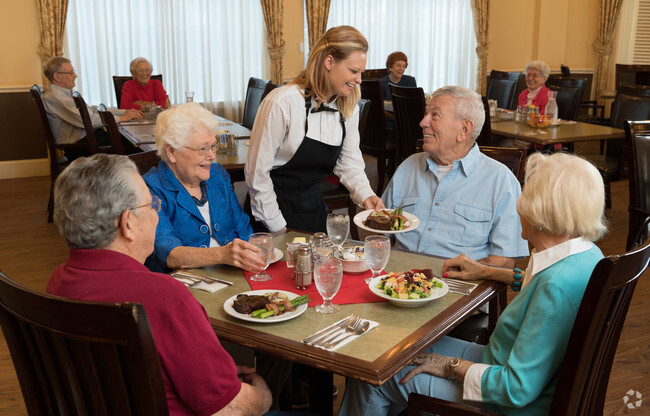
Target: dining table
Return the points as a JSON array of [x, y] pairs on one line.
[[376, 356], [141, 134], [565, 131]]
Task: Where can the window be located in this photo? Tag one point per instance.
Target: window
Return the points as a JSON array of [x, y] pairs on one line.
[[634, 33], [210, 47], [437, 37]]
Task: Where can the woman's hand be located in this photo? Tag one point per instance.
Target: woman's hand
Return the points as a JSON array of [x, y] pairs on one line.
[[374, 202], [131, 114], [431, 363], [463, 267], [244, 255]]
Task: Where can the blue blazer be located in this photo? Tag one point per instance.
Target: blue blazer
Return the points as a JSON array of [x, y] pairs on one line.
[[180, 222]]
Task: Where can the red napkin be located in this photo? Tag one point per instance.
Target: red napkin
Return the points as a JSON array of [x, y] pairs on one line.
[[353, 288]]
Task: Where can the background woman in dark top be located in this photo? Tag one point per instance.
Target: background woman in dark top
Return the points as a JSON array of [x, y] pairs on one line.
[[396, 65]]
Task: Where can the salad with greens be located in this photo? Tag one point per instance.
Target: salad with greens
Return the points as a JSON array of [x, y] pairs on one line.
[[412, 284]]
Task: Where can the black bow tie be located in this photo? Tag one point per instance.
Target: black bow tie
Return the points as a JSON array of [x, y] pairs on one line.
[[323, 107]]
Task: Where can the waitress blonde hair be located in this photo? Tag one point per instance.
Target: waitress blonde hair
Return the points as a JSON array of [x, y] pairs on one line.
[[339, 42]]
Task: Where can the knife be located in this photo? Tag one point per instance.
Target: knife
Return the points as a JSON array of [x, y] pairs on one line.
[[198, 276]]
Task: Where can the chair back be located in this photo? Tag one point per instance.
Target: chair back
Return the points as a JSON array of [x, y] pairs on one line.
[[254, 93], [373, 138], [85, 119], [111, 126], [569, 95], [118, 83], [566, 72], [632, 74], [637, 137], [269, 87], [37, 95], [370, 74], [364, 110], [485, 137], [409, 106], [81, 358], [502, 87], [585, 370], [512, 157]]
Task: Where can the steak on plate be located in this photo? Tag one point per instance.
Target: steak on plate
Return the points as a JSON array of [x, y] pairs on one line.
[[246, 304]]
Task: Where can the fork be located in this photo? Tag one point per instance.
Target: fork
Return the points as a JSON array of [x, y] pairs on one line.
[[350, 327], [325, 332], [459, 286]]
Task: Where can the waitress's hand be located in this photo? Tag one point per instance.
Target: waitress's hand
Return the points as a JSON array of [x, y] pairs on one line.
[[374, 202], [244, 255]]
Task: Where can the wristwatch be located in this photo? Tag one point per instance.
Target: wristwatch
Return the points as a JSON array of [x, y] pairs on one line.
[[451, 365]]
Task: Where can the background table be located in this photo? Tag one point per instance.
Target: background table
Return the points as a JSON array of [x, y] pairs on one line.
[[563, 133], [377, 355]]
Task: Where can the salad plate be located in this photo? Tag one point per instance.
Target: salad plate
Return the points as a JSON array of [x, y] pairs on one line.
[[227, 307], [407, 303], [412, 222]]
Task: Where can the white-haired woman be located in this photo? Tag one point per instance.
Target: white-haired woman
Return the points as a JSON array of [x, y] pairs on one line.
[[562, 213], [201, 221], [536, 94], [141, 91]]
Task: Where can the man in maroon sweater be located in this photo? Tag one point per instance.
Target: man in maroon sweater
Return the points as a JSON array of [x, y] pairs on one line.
[[108, 218]]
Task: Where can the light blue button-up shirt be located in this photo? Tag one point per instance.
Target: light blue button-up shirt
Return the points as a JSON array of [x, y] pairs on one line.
[[471, 210]]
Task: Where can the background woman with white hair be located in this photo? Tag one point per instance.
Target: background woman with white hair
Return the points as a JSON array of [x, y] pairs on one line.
[[536, 94], [201, 221], [142, 90], [561, 210]]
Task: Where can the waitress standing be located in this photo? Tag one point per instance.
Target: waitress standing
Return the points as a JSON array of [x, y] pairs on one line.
[[306, 130]]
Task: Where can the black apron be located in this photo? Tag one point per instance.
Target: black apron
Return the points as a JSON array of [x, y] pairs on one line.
[[296, 183]]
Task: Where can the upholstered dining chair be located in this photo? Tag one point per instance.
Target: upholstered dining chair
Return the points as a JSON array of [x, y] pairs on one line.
[[81, 358], [585, 369], [637, 137], [502, 87], [118, 83], [409, 107], [370, 74], [58, 161], [569, 95], [485, 136], [374, 138], [254, 92]]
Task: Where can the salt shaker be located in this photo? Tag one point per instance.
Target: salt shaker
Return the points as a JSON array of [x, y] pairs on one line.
[[292, 251], [303, 267]]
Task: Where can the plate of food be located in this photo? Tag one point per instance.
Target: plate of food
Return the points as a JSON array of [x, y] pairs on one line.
[[353, 259], [266, 306], [386, 221], [409, 289]]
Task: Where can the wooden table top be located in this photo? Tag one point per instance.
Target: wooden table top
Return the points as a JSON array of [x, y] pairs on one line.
[[563, 133], [376, 356]]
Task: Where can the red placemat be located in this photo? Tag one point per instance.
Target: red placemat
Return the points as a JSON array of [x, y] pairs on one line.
[[353, 288]]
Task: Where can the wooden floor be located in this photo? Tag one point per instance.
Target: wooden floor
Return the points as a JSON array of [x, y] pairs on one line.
[[30, 249]]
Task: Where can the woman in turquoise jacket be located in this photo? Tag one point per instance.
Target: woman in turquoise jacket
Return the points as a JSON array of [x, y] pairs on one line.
[[201, 222], [562, 212]]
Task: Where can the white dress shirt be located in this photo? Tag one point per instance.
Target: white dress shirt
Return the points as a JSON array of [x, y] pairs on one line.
[[65, 119], [277, 133]]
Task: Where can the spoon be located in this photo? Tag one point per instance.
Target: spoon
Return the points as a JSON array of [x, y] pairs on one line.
[[358, 331]]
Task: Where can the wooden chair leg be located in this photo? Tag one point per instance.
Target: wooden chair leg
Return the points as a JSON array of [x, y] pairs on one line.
[[50, 205]]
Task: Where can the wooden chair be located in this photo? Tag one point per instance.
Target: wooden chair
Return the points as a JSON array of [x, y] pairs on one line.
[[632, 102], [502, 87], [58, 161], [569, 95], [269, 87], [409, 106], [93, 146], [373, 140], [254, 92], [637, 136], [81, 358], [513, 158], [370, 74], [584, 372], [118, 83], [339, 197], [485, 137], [143, 160]]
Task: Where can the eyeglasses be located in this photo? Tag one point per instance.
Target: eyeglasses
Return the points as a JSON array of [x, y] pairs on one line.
[[147, 70], [202, 151], [67, 73], [155, 204]]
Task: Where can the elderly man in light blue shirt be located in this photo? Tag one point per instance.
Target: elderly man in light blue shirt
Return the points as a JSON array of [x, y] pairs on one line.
[[466, 201]]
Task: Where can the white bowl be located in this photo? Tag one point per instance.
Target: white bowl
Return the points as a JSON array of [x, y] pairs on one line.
[[406, 303], [353, 266]]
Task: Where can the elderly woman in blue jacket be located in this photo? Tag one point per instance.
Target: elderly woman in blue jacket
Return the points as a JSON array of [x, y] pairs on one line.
[[201, 222], [562, 212]]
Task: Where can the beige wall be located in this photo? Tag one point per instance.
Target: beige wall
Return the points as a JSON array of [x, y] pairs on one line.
[[294, 34], [20, 64]]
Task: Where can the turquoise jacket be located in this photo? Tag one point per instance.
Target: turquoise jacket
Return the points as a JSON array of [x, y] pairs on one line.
[[180, 222]]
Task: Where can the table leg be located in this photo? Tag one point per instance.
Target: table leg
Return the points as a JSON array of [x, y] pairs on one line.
[[320, 392]]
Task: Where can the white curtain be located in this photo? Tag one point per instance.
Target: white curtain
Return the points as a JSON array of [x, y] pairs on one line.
[[437, 36], [210, 47]]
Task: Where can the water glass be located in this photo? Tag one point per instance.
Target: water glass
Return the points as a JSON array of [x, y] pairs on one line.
[[263, 241], [338, 227], [328, 274], [189, 96], [377, 251]]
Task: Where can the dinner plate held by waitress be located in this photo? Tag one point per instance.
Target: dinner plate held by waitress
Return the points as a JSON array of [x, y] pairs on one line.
[[412, 222]]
